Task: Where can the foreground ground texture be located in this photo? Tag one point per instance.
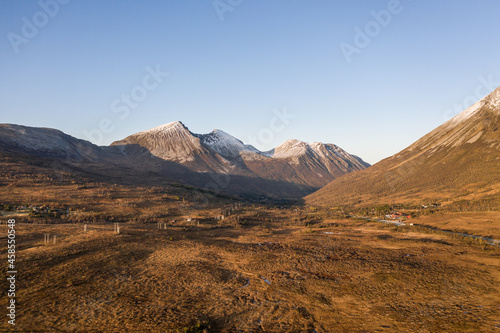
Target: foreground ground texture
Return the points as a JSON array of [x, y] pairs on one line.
[[333, 276]]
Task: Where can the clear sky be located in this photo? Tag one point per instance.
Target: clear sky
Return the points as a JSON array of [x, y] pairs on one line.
[[370, 76]]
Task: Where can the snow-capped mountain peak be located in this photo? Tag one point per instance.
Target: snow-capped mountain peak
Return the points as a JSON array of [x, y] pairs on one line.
[[173, 126], [172, 141], [295, 148], [219, 152], [225, 144], [291, 148]]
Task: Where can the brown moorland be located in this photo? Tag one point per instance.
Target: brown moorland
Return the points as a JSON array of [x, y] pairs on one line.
[[486, 224], [279, 276]]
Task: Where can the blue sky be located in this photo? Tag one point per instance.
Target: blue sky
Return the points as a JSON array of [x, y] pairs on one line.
[[234, 65]]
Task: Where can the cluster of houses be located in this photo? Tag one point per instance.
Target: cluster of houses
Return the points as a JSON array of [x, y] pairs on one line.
[[35, 208], [197, 220], [398, 216], [43, 210]]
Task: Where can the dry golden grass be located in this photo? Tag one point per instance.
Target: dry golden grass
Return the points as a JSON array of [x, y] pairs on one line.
[[93, 202], [262, 269], [332, 276], [486, 224]]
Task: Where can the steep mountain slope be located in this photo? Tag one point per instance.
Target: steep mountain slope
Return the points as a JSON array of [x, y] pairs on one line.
[[315, 164], [174, 142], [225, 144], [219, 152], [459, 160]]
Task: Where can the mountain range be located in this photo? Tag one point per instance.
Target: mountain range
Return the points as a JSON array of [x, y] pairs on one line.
[[458, 161], [170, 152], [218, 152]]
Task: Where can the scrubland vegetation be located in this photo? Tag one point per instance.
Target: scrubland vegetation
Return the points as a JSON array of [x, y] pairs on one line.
[[186, 260]]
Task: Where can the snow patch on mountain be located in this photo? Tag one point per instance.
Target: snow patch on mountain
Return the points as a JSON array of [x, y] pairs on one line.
[[290, 148], [469, 112], [173, 126], [172, 141], [221, 152], [294, 148], [225, 144], [492, 100]]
